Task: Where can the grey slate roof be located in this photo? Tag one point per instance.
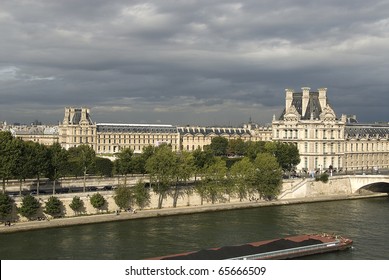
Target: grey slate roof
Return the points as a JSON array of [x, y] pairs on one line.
[[135, 128], [314, 109], [210, 130], [365, 130], [77, 117]]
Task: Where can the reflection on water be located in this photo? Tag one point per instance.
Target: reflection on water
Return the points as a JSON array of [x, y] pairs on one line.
[[365, 221]]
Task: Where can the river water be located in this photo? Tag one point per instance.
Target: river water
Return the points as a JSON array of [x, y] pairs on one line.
[[366, 221]]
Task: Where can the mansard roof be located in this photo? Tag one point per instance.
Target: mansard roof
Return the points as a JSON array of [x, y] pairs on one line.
[[77, 116], [135, 128], [366, 130], [219, 131], [313, 110]]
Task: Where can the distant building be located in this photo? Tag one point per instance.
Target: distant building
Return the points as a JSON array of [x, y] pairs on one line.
[[42, 134]]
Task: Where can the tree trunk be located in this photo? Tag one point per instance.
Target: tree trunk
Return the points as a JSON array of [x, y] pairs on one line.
[[37, 185], [84, 187], [20, 187]]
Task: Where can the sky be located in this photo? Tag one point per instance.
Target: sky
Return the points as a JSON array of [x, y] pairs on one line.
[[204, 62]]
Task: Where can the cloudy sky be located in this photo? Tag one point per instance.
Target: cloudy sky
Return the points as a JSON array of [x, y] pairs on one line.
[[202, 62]]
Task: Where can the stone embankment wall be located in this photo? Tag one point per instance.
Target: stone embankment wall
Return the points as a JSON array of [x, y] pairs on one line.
[[292, 189]]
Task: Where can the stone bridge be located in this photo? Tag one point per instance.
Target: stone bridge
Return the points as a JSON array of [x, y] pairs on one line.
[[337, 185]]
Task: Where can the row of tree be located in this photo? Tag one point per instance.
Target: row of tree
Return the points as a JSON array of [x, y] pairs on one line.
[[258, 169], [124, 198], [26, 159]]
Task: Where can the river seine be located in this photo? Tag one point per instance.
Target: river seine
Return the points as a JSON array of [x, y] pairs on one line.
[[366, 221]]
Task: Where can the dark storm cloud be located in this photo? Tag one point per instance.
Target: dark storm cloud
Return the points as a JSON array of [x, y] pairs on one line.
[[197, 62]]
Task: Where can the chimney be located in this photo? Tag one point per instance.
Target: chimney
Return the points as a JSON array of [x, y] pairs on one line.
[[288, 98], [305, 100], [84, 112], [66, 118], [323, 97], [71, 115]]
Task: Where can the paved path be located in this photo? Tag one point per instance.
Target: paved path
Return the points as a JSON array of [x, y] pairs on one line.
[[150, 213]]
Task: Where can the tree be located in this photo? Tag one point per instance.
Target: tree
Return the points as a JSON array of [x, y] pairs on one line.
[[219, 146], [241, 174], [139, 161], [58, 161], [29, 207], [287, 154], [254, 148], [236, 147], [141, 195], [215, 178], [9, 154], [162, 166], [124, 164], [53, 207], [123, 197], [77, 205], [103, 167], [6, 206], [202, 159], [23, 166], [185, 170], [268, 175], [85, 156], [38, 160], [97, 201]]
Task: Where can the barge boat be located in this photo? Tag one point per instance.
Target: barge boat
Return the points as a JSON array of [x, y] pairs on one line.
[[275, 249]]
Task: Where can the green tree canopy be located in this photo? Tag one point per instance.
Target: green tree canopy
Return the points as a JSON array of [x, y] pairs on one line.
[[9, 155], [58, 162], [162, 168], [124, 163], [29, 207], [242, 177], [123, 197], [215, 178], [53, 207], [236, 147], [287, 154], [6, 205], [103, 167], [97, 201], [219, 146], [85, 157], [254, 148], [141, 195], [268, 175], [77, 205]]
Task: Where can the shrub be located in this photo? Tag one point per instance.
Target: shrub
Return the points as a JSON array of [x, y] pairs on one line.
[[323, 178], [6, 205], [76, 205], [53, 207], [97, 201], [29, 207]]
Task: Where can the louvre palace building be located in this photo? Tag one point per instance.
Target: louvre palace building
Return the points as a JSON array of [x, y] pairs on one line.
[[308, 121]]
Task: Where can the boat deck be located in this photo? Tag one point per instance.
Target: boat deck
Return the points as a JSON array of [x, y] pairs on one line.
[[283, 248]]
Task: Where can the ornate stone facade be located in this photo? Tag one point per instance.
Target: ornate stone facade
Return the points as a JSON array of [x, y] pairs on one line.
[[324, 140]]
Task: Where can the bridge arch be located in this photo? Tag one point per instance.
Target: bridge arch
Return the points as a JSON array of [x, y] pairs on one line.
[[379, 187]]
